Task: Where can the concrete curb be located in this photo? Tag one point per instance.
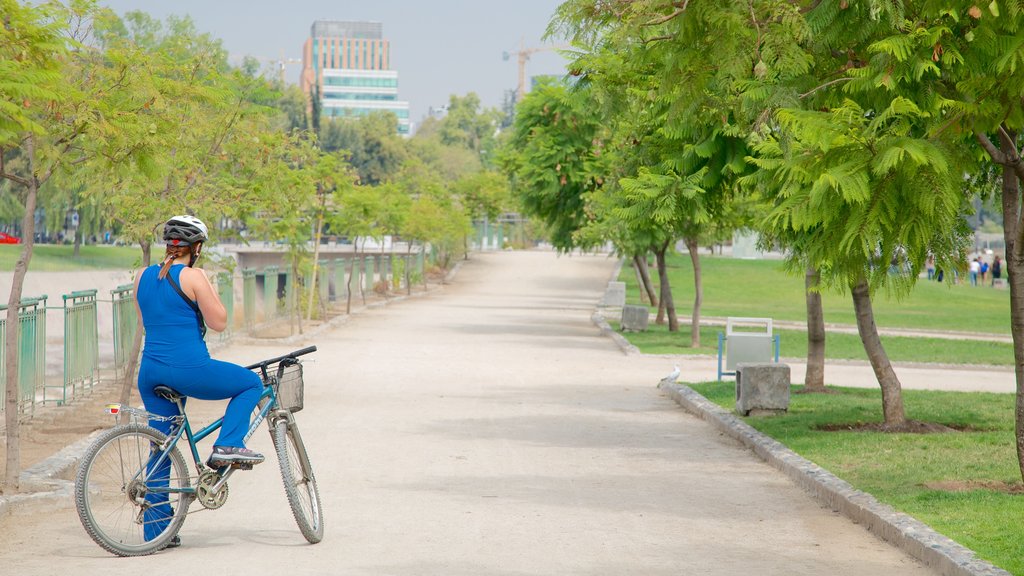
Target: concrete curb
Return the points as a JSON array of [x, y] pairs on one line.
[[903, 531], [599, 320], [51, 481]]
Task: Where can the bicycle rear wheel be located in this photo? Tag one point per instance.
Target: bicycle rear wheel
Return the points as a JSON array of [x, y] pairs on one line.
[[129, 502], [299, 482]]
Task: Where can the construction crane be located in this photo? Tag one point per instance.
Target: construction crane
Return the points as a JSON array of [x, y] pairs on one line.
[[522, 56], [282, 64]]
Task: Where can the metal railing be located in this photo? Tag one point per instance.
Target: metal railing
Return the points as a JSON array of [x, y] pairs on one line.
[[31, 352], [81, 345], [226, 291], [83, 367], [249, 299], [270, 276], [126, 322]]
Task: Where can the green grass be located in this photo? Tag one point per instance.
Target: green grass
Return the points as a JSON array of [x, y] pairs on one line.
[[50, 258], [761, 288], [838, 346], [897, 468]]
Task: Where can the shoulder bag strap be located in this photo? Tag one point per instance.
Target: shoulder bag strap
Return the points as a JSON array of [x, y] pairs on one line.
[[191, 304]]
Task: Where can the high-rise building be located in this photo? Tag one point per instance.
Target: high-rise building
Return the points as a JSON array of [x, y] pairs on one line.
[[346, 68]]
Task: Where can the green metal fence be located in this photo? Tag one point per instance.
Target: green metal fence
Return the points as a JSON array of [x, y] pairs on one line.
[[367, 276], [81, 345], [31, 351], [399, 265], [291, 295], [81, 354], [340, 286], [226, 291], [126, 321], [249, 299], [270, 293]]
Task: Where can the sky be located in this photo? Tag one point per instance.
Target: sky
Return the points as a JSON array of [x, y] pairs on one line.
[[438, 47]]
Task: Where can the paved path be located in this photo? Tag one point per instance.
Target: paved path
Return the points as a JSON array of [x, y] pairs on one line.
[[491, 429]]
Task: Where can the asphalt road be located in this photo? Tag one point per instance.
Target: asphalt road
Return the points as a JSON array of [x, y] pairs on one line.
[[491, 429]]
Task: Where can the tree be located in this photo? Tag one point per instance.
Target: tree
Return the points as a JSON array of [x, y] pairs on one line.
[[377, 151], [672, 111], [466, 126], [963, 63], [205, 131], [868, 196], [62, 103], [483, 196], [554, 157]]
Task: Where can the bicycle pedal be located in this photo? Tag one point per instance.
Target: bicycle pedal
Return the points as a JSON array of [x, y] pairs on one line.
[[242, 465]]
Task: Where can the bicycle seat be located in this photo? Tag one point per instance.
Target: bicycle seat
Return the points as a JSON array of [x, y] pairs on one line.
[[168, 393]]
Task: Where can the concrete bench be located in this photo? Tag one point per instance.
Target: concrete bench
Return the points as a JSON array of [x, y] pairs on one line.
[[746, 340]]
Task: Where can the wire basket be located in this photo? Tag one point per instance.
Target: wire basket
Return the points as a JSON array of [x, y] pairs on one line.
[[289, 388]]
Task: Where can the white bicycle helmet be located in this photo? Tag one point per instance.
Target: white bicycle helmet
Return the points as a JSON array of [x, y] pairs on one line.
[[185, 229]]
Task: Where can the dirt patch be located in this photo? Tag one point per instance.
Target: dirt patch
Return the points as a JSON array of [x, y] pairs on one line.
[[55, 427], [909, 427], [970, 485]]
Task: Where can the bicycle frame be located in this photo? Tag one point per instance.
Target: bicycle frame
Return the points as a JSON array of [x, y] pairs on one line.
[[133, 489], [193, 438]]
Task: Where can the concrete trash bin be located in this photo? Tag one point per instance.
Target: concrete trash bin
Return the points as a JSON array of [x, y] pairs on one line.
[[762, 388], [634, 318], [615, 295]]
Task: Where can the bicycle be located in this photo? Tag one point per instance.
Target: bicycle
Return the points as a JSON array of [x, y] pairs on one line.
[[133, 489]]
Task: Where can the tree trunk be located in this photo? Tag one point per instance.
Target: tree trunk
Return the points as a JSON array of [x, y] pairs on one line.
[[892, 394], [406, 270], [1015, 278], [316, 262], [128, 384], [698, 291], [814, 379], [348, 285], [12, 470], [78, 241], [666, 290], [646, 287], [296, 314]]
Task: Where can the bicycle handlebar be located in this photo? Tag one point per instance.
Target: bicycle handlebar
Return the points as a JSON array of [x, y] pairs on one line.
[[293, 355]]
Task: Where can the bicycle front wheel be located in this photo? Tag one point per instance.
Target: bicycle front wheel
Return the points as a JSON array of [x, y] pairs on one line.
[[129, 499], [299, 482]]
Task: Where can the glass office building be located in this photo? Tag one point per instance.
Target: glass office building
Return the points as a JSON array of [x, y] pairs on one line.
[[346, 66]]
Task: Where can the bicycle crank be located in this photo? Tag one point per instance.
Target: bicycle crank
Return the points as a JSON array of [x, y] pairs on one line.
[[207, 492]]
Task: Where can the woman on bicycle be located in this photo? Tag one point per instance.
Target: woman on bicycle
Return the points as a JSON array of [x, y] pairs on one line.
[[174, 299]]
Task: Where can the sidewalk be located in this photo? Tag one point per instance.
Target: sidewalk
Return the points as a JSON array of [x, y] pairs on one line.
[[491, 429]]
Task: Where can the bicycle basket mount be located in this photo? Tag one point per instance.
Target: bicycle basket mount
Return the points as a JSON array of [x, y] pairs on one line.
[[289, 389]]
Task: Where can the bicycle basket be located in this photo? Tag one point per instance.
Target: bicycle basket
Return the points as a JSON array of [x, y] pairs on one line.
[[289, 388]]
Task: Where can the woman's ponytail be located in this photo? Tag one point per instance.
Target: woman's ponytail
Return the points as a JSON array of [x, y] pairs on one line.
[[173, 253]]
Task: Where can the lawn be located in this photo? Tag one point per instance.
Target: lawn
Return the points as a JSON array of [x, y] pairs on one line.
[[915, 473], [762, 288], [58, 258], [838, 346]]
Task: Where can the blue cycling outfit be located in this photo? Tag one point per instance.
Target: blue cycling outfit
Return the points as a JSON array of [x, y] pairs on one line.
[[176, 356]]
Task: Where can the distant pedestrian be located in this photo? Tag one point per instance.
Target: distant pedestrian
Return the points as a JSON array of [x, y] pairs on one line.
[[974, 270], [929, 266], [997, 270], [984, 271]]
